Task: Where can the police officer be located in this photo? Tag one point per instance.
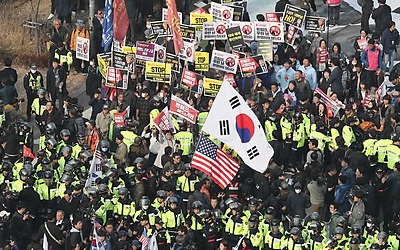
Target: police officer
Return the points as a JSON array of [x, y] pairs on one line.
[[185, 185], [185, 138], [125, 206], [316, 239], [162, 235], [77, 148], [394, 240], [33, 81], [173, 217], [256, 234], [48, 190], [146, 209], [18, 185], [38, 105], [196, 223], [295, 241], [65, 140], [274, 239], [211, 230], [129, 132], [237, 224]]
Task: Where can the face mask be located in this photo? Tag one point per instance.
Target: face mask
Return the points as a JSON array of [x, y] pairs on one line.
[[162, 95], [145, 207], [354, 63], [104, 149], [91, 63], [298, 191], [143, 95], [369, 224], [33, 71]]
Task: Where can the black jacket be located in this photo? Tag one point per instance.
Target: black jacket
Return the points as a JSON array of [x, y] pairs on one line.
[[383, 18], [56, 234], [51, 82], [8, 76]]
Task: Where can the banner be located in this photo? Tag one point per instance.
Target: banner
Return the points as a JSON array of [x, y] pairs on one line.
[[121, 20], [145, 51], [82, 48], [265, 49], [182, 109], [174, 24], [160, 28], [107, 36], [294, 15], [117, 78], [235, 37], [197, 20], [201, 61], [214, 31], [211, 86], [313, 23], [224, 61], [276, 31], [163, 121], [188, 32], [95, 170], [231, 121], [221, 13], [247, 29], [104, 60], [189, 78], [247, 65], [261, 31], [158, 72], [187, 52]]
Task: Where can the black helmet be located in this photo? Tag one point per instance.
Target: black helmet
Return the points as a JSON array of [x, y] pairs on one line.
[[230, 200], [68, 168], [92, 191], [48, 175], [374, 246], [314, 216], [275, 223], [65, 132], [354, 241], [6, 166], [270, 210], [80, 136], [103, 188], [67, 176], [46, 162], [207, 213], [297, 221], [314, 225], [52, 142], [123, 191], [235, 206], [253, 218], [356, 229], [341, 221], [295, 231], [66, 149], [24, 172], [144, 202], [197, 205], [217, 213], [51, 126], [172, 199], [74, 163], [338, 230], [253, 202], [85, 154], [161, 194]]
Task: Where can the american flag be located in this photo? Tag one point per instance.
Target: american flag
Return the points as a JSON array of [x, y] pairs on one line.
[[144, 239], [211, 160]]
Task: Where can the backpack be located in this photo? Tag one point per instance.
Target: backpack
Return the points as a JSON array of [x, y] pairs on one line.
[[79, 125]]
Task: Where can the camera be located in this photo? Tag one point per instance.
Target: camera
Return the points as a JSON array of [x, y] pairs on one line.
[[31, 215]]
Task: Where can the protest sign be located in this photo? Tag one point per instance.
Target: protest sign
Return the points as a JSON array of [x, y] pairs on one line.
[[104, 60], [201, 61], [247, 65], [224, 61], [128, 49], [118, 60], [182, 109], [247, 29], [211, 86], [161, 52], [272, 17], [163, 121], [294, 15], [313, 23], [117, 46], [160, 28], [221, 13], [165, 15], [158, 72], [174, 61], [117, 78], [214, 31], [230, 78], [187, 52], [189, 78], [197, 20], [188, 32], [262, 64], [119, 118], [237, 12], [291, 35], [145, 51], [265, 49], [235, 37], [261, 31], [82, 48], [276, 31]]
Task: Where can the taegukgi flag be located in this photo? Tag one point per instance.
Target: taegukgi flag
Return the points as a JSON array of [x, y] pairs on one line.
[[233, 122]]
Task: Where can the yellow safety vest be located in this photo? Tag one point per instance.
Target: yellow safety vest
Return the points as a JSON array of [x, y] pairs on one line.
[[332, 145], [186, 140], [369, 147], [393, 155], [381, 149], [35, 82], [129, 137], [37, 108], [269, 127]]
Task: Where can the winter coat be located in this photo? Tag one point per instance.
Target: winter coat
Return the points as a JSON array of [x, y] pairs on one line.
[[389, 40], [382, 16], [357, 215]]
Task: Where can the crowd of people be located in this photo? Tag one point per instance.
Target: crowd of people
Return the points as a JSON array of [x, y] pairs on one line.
[[331, 116]]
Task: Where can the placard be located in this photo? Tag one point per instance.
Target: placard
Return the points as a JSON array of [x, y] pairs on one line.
[[276, 31], [104, 60], [197, 20], [247, 29], [211, 86], [188, 32], [221, 13], [182, 109], [201, 61], [82, 48], [117, 78], [161, 53], [291, 34], [187, 52], [237, 12], [314, 23], [247, 65], [119, 60], [145, 51], [214, 31], [158, 72], [261, 31], [165, 15], [129, 49], [262, 65], [294, 16], [174, 61], [235, 37], [224, 61], [272, 17], [265, 49], [160, 28]]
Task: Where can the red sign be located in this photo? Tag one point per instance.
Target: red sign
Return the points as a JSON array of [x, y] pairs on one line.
[[271, 17], [119, 119], [180, 108], [145, 51], [189, 78], [247, 65], [163, 121]]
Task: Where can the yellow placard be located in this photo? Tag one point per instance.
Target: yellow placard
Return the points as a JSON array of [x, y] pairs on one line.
[[104, 60], [202, 61], [129, 49], [158, 72], [211, 86], [197, 19]]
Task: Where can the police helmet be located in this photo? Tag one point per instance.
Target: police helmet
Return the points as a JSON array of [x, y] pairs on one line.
[[85, 154], [6, 166], [275, 223], [66, 149], [123, 191], [161, 194], [138, 160], [354, 241], [48, 175], [46, 162], [24, 172], [74, 163], [103, 188], [382, 236], [314, 225], [235, 206], [342, 221], [338, 230], [314, 216], [355, 229], [295, 231], [253, 218], [42, 92], [231, 200], [144, 202], [297, 221], [65, 132], [217, 213], [374, 246], [172, 199], [253, 202], [80, 136], [52, 142], [270, 210], [91, 191], [29, 167], [197, 205], [66, 176]]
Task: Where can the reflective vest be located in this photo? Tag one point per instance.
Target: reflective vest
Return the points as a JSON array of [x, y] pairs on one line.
[[381, 149], [332, 145], [186, 140], [286, 127], [76, 149], [114, 189], [256, 238], [35, 82], [172, 220], [394, 242], [38, 107], [152, 216], [369, 147], [17, 185], [2, 119], [66, 59], [348, 135], [186, 184], [291, 244], [125, 207], [275, 241], [299, 135], [129, 137], [307, 124], [201, 119], [321, 138], [47, 193], [196, 223], [237, 226], [269, 127], [153, 114], [17, 167], [393, 155]]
